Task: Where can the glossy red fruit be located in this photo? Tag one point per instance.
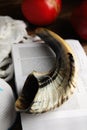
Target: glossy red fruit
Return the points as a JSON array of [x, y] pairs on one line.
[[79, 19], [41, 12]]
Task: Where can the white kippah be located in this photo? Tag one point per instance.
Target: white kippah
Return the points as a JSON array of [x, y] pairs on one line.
[[7, 110], [11, 31]]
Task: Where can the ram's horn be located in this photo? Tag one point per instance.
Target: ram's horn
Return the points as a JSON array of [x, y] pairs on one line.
[[45, 91]]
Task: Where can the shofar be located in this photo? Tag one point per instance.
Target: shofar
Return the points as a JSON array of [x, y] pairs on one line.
[[45, 91]]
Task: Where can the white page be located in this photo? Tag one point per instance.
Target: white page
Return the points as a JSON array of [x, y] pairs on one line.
[[29, 57], [74, 109], [80, 54]]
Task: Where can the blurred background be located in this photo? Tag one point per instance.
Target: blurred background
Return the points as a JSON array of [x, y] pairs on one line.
[[61, 26]]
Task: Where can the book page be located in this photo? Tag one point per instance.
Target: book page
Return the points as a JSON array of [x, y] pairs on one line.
[[73, 113], [31, 57]]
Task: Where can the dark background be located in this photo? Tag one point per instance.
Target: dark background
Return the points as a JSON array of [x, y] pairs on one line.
[[61, 26]]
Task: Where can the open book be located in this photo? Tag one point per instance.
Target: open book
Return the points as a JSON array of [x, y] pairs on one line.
[[73, 113]]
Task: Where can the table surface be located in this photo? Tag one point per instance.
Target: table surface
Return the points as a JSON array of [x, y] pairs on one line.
[[61, 26]]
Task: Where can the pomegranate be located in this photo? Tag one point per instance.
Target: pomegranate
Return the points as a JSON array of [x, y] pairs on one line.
[[41, 12], [79, 20]]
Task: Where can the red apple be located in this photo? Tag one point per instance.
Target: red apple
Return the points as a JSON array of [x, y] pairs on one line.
[[41, 12]]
